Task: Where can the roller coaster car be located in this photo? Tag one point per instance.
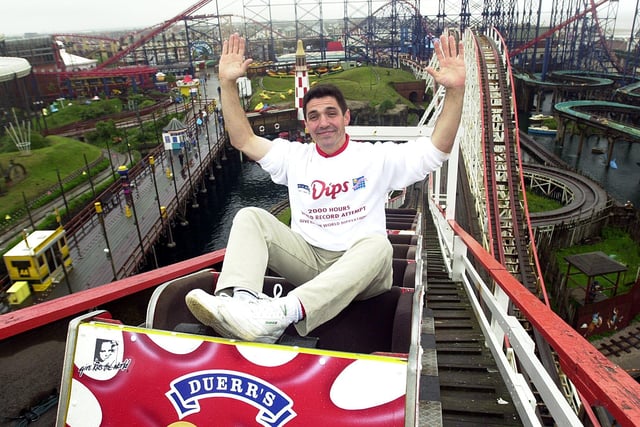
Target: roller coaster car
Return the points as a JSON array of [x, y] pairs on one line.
[[360, 368], [379, 324]]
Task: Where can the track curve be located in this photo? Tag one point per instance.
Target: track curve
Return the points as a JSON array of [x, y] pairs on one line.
[[581, 197], [599, 114]]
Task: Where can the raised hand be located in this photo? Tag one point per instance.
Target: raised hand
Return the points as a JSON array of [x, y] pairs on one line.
[[232, 61], [451, 73]]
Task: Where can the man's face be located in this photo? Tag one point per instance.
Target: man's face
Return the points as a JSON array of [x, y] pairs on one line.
[[326, 123], [105, 351]]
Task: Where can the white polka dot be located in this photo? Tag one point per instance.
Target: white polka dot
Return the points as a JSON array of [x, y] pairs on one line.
[[369, 383], [266, 356], [84, 409], [174, 344]]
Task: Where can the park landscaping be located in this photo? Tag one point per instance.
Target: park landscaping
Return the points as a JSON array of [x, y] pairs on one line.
[[57, 164], [616, 244], [54, 159], [62, 161], [367, 83]]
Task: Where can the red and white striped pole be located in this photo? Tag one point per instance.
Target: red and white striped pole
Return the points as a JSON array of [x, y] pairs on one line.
[[302, 83]]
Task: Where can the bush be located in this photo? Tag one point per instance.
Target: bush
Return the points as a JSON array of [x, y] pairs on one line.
[[386, 105], [104, 130], [146, 103], [550, 123]]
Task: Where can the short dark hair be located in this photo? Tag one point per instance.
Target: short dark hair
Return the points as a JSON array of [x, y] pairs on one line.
[[321, 91]]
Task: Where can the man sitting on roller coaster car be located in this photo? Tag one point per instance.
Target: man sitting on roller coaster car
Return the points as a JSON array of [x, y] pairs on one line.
[[336, 250]]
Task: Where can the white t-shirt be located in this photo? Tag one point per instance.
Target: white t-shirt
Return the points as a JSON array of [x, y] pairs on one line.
[[340, 199]]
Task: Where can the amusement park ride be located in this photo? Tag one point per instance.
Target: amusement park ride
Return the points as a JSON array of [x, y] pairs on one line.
[[553, 375], [569, 35]]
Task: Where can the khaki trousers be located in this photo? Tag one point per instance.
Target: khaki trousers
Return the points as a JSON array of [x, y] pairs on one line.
[[326, 281]]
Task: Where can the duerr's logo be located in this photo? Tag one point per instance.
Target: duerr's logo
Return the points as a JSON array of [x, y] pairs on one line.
[[274, 406]]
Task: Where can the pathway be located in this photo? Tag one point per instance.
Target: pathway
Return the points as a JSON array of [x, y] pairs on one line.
[[93, 263]]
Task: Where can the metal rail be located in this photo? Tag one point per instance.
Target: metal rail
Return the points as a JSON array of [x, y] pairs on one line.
[[145, 38], [508, 236], [594, 376], [541, 366]]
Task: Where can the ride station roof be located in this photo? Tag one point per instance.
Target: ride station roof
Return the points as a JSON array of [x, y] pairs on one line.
[[595, 263]]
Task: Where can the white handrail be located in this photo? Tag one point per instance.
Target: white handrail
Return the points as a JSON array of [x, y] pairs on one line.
[[490, 311]]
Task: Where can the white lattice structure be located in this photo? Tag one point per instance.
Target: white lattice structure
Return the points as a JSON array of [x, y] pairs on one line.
[[471, 147], [21, 136]]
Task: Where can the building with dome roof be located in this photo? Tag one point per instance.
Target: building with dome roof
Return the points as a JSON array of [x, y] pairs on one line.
[[14, 88]]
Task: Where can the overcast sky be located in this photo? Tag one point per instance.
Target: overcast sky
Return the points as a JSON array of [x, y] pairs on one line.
[[63, 16]]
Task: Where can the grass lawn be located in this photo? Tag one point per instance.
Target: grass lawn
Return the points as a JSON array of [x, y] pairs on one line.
[[615, 243], [537, 203], [63, 154], [370, 84]]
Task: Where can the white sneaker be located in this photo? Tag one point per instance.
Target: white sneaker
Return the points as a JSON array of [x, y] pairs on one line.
[[261, 320], [206, 308]]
